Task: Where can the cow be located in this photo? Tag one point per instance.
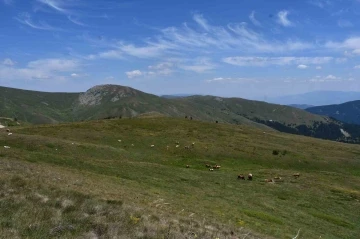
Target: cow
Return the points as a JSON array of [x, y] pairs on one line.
[[250, 176], [296, 175], [242, 177], [187, 166], [269, 180], [8, 130], [210, 169], [208, 165]]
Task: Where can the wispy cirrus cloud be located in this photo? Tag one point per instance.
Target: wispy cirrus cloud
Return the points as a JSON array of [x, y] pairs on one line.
[[25, 19], [57, 5], [254, 20], [281, 61], [204, 37], [283, 19], [76, 21], [8, 2]]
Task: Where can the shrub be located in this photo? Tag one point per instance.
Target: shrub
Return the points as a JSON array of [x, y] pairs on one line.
[[275, 152]]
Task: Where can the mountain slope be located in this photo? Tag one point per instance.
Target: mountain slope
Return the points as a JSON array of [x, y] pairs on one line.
[[317, 98], [36, 107], [112, 101], [348, 112]]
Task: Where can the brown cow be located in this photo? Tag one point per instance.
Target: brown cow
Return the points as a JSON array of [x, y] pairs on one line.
[[8, 130], [269, 180], [242, 177], [296, 175]]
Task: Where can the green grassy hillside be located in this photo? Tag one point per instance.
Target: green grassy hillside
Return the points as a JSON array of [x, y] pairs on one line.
[[36, 107], [103, 178]]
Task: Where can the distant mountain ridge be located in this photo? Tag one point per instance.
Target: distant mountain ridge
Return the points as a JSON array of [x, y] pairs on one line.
[[303, 107], [113, 101], [317, 98], [348, 112]]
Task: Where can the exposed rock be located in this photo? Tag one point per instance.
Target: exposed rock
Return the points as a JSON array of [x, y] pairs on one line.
[[94, 95]]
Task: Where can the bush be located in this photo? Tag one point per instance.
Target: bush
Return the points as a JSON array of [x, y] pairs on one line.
[[276, 152]]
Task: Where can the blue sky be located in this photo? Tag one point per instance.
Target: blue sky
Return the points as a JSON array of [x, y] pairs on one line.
[[242, 48]]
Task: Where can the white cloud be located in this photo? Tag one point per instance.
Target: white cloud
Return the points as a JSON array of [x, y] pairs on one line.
[[318, 68], [344, 23], [232, 80], [253, 19], [56, 65], [56, 5], [112, 54], [25, 19], [8, 62], [199, 19], [302, 66], [149, 51], [76, 21], [75, 75], [199, 65], [162, 66], [44, 69], [283, 19], [133, 74], [265, 61], [331, 77], [357, 67], [341, 60], [352, 44]]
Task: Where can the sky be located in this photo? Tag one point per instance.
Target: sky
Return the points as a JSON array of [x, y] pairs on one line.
[[233, 48]]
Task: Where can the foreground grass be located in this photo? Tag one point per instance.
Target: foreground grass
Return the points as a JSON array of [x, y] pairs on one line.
[[87, 159]]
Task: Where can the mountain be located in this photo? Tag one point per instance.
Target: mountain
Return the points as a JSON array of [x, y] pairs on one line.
[[303, 107], [348, 112], [176, 96], [113, 101], [317, 98]]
